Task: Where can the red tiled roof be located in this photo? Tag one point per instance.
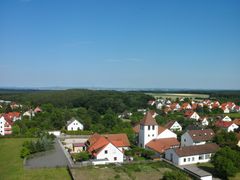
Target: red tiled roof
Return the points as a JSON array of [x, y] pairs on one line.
[[148, 120], [160, 145], [236, 121], [96, 142], [37, 109], [196, 150], [169, 124], [161, 129], [188, 113], [224, 124], [14, 114], [119, 140], [8, 119], [201, 135]]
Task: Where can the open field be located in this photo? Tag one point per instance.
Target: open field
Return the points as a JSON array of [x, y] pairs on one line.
[[11, 165], [178, 95], [143, 171]]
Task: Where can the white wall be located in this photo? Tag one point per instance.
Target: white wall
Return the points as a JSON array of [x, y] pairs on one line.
[[226, 118], [112, 151], [176, 127], [186, 160], [146, 135], [232, 127], [74, 126], [186, 140], [167, 134], [2, 122], [195, 116]]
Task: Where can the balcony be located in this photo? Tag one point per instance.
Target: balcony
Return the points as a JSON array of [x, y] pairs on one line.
[[7, 129], [8, 132]]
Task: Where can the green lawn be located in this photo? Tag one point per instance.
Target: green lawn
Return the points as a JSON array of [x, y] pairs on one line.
[[11, 165]]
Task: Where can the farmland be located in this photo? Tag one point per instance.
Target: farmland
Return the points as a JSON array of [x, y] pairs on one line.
[[178, 95]]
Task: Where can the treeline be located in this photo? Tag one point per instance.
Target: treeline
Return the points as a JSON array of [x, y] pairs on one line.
[[99, 101]]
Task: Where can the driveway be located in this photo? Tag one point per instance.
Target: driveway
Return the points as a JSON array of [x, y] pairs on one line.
[[52, 158]]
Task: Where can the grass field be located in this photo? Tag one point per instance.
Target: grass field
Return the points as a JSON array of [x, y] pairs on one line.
[[177, 95], [143, 171], [233, 115], [11, 165]]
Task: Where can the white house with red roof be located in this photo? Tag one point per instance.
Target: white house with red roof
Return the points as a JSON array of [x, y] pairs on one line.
[[186, 106], [74, 125], [173, 126], [175, 107], [5, 125], [37, 109], [197, 137], [192, 115], [14, 116], [226, 118], [204, 121], [229, 126], [107, 148]]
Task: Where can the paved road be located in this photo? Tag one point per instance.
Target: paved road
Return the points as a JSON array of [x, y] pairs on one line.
[[52, 158]]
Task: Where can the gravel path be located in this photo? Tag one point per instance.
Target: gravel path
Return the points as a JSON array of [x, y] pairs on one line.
[[52, 158]]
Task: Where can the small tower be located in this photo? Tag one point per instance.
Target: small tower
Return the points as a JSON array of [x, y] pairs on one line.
[[148, 130]]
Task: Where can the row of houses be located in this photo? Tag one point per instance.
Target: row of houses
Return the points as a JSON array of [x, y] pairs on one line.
[[7, 120], [169, 106], [195, 146]]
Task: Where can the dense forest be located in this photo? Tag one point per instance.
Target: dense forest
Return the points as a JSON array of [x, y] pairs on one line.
[[97, 110]]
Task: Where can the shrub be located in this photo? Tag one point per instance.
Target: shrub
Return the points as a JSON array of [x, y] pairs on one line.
[[174, 175], [24, 152]]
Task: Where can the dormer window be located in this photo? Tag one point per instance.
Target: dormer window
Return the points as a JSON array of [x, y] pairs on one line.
[[153, 127]]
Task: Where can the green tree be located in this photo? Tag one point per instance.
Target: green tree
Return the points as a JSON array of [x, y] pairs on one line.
[[16, 130], [224, 138], [226, 162]]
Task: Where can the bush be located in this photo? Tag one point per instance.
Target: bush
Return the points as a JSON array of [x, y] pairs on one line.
[[174, 175], [82, 156], [30, 147], [24, 152]]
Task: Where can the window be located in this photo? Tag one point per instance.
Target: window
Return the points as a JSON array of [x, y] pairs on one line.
[[184, 160], [184, 140], [106, 151], [189, 159], [201, 157], [153, 127], [149, 127], [193, 159], [207, 156], [149, 135], [115, 158], [153, 135]]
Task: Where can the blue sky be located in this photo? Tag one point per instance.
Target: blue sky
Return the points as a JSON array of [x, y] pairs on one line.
[[120, 43]]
